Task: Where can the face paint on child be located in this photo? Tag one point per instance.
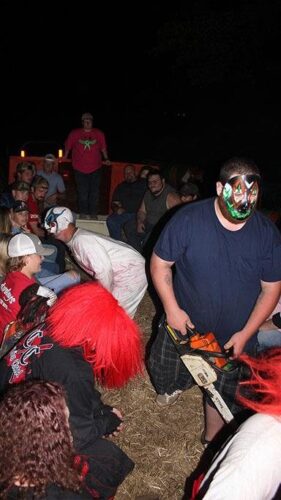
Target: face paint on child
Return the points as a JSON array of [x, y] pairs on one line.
[[240, 195]]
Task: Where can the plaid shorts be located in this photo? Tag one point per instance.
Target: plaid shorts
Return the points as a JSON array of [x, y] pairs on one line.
[[227, 384], [168, 372]]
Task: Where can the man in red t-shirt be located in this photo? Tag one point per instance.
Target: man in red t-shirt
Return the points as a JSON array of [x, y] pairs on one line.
[[35, 203], [26, 253], [88, 148], [36, 198]]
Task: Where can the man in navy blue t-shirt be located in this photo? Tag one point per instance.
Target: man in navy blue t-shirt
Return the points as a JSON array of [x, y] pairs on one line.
[[227, 259]]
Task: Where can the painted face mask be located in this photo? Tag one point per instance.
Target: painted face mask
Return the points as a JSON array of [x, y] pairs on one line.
[[239, 196]]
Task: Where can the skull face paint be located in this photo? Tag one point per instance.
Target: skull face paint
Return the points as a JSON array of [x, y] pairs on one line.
[[239, 197]]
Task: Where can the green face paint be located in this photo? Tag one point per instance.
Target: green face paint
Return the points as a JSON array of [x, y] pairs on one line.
[[240, 196]]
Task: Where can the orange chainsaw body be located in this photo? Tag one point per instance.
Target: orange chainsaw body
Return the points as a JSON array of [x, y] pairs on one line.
[[207, 342]]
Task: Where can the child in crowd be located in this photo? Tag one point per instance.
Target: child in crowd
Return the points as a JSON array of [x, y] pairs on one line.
[[25, 252]]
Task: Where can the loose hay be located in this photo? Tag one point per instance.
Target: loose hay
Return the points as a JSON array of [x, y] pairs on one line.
[[163, 442]]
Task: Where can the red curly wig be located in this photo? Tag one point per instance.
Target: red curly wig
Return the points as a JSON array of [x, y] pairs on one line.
[[264, 384], [89, 316]]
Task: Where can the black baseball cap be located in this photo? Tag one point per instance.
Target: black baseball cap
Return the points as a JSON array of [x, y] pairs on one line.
[[20, 206]]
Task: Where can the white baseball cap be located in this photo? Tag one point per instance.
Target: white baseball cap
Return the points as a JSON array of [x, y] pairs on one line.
[[86, 116], [57, 219], [50, 158], [27, 244]]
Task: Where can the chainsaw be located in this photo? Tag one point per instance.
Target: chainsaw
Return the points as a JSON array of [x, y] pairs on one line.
[[199, 352]]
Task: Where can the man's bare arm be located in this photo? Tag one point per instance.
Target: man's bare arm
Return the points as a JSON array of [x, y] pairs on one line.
[[264, 306], [141, 216], [268, 326], [105, 157], [66, 153], [173, 199], [161, 273]]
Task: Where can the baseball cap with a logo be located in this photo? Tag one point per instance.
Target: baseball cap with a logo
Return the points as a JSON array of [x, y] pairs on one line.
[[20, 206], [50, 158], [27, 244], [57, 219]]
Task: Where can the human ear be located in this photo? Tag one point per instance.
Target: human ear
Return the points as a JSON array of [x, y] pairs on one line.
[[219, 188], [25, 260]]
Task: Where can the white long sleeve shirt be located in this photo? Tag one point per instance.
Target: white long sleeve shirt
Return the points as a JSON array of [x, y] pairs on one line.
[[116, 265]]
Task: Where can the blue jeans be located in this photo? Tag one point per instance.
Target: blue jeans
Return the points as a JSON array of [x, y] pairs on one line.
[[59, 282], [135, 239], [268, 339], [59, 255], [47, 269], [115, 223], [88, 190]]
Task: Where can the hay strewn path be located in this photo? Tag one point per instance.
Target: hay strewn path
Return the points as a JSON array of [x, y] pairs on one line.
[[164, 443]]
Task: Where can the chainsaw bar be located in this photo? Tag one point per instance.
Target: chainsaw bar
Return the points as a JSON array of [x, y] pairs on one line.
[[205, 376], [201, 370]]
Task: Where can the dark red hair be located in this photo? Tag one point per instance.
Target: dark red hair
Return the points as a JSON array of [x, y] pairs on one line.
[[89, 316], [263, 389], [36, 444]]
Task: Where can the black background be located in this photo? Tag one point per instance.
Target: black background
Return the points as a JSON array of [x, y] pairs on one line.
[[194, 82]]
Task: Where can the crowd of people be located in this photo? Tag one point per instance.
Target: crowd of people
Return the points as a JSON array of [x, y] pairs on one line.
[[215, 266]]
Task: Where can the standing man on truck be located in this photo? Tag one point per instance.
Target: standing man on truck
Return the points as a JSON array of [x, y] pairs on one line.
[[88, 148]]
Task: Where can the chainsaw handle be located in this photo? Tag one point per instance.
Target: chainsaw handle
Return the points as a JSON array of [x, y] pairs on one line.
[[176, 335], [229, 353], [212, 354]]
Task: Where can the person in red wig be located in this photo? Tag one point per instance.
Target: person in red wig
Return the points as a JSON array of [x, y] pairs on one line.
[[86, 336], [249, 464]]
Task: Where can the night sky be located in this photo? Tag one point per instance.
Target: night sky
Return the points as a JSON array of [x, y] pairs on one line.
[[194, 82]]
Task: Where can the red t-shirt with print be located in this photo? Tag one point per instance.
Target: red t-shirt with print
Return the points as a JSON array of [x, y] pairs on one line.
[[33, 208], [10, 289], [86, 148]]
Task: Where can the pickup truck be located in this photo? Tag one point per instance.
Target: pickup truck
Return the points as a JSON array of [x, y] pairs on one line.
[[111, 176]]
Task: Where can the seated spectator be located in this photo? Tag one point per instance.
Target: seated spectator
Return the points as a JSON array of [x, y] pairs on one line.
[[5, 220], [126, 200], [269, 334], [26, 252], [4, 240], [189, 192], [35, 204], [56, 190], [19, 217], [25, 171], [144, 171], [19, 191], [37, 456], [248, 466], [158, 198], [22, 263]]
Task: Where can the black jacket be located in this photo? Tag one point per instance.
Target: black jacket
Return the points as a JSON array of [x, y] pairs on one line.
[[37, 356]]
